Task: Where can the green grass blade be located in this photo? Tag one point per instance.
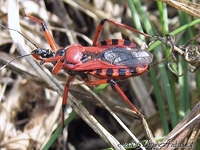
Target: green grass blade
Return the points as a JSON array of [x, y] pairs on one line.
[[99, 88], [168, 80], [163, 17], [175, 32], [135, 18], [160, 102], [58, 131], [164, 76], [184, 80], [198, 80]]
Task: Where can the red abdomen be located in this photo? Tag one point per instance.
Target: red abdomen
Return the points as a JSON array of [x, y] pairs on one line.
[[118, 73]]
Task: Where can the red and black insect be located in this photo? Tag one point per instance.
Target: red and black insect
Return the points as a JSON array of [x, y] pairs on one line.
[[109, 60]]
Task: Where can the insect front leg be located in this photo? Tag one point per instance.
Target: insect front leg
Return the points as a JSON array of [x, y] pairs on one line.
[[47, 35]]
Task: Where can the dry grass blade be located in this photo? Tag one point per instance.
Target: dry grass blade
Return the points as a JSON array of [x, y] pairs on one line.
[[122, 124], [72, 101], [190, 8], [93, 123], [186, 132]]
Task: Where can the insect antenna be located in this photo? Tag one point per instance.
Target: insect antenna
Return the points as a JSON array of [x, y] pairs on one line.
[[17, 57], [20, 34]]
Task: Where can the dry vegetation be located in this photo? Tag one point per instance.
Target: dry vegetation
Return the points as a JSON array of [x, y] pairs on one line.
[[30, 108]]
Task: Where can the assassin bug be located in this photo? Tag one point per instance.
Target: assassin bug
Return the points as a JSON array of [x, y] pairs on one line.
[[109, 60]]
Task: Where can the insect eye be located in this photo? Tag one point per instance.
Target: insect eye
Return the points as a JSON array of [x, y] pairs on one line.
[[60, 52]]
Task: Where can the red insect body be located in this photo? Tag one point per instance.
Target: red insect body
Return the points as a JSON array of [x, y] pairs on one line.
[[109, 60]]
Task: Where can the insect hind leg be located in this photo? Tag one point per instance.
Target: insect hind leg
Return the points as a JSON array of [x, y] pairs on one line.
[[119, 90], [99, 28]]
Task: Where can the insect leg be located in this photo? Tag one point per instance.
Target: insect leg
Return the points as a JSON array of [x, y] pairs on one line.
[[96, 82], [47, 35], [116, 86], [64, 102], [99, 28]]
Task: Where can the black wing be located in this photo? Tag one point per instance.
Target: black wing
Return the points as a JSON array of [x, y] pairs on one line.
[[131, 57]]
